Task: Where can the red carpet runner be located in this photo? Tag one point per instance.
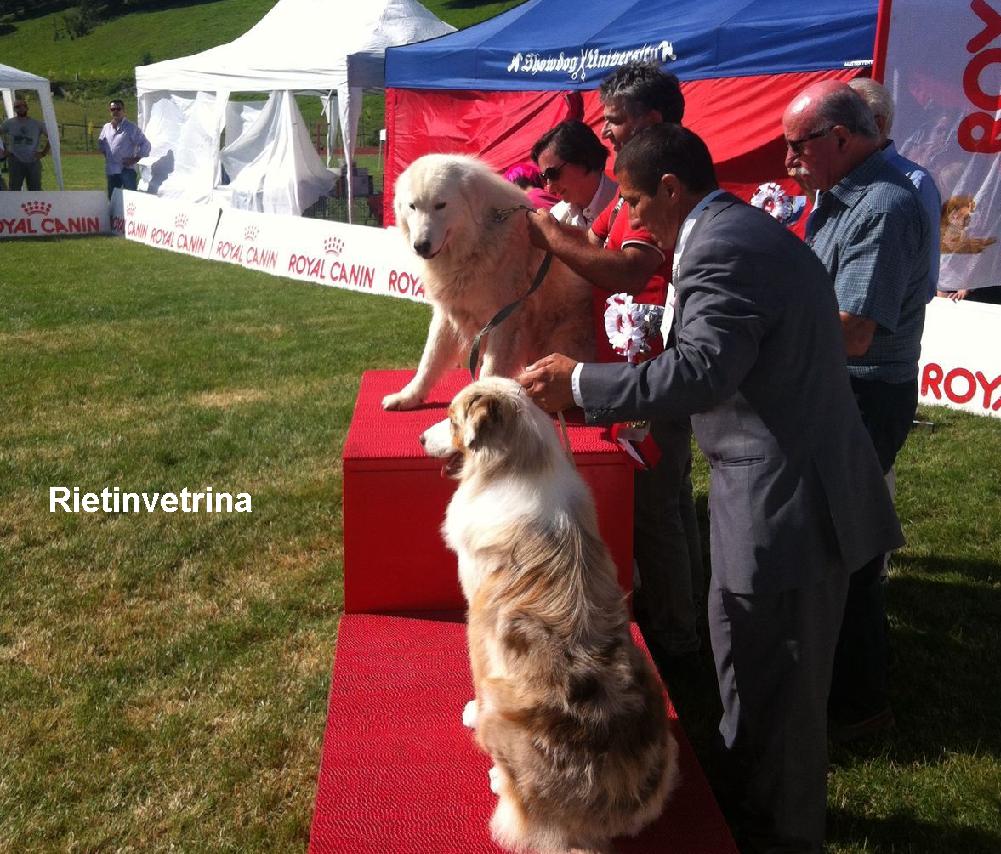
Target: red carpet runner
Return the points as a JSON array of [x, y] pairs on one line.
[[401, 775]]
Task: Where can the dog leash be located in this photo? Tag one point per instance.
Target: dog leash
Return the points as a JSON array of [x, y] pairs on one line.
[[502, 315], [501, 215]]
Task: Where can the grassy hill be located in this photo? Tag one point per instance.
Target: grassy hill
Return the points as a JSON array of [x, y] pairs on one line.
[[113, 49], [86, 71]]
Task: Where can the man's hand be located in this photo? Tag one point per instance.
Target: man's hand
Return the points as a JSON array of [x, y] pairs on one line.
[[548, 382], [955, 296], [858, 333], [543, 229], [130, 161]]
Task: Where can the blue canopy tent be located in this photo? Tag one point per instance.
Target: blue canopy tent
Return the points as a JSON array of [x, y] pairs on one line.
[[494, 88]]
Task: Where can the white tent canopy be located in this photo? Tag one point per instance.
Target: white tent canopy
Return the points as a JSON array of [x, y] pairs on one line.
[[335, 49], [11, 80]]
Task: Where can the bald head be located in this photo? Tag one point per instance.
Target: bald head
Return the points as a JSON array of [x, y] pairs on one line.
[[877, 98], [829, 130], [834, 103]]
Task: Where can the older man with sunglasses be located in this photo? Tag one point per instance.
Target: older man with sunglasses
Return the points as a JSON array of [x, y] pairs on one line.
[[870, 231], [123, 145]]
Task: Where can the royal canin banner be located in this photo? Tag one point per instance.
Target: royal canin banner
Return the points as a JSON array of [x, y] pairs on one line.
[[354, 257], [942, 62], [163, 223], [53, 214], [960, 362]]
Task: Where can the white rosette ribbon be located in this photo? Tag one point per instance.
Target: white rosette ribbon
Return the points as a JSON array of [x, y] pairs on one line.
[[773, 200], [630, 326]]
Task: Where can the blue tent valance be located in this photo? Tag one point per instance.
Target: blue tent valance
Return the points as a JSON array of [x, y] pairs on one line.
[[573, 44]]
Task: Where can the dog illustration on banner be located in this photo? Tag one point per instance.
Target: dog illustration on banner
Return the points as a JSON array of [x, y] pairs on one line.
[[956, 215], [467, 223], [567, 707]]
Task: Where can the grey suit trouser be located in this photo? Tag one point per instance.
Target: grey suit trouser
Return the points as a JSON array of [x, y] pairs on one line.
[[667, 546], [774, 653]]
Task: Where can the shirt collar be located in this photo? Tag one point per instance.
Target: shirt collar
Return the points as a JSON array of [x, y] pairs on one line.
[[689, 224], [690, 220], [607, 188], [853, 187]]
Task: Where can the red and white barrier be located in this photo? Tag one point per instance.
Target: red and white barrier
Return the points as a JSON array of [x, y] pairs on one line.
[[163, 223], [57, 214], [960, 352], [354, 257], [960, 364]]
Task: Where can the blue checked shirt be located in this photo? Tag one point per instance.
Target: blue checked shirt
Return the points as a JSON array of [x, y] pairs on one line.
[[872, 234], [931, 200]]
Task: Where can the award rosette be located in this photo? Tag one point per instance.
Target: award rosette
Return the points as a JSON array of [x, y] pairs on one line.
[[776, 202], [631, 327]]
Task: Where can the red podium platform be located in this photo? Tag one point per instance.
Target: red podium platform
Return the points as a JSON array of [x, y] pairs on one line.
[[395, 497], [401, 775]]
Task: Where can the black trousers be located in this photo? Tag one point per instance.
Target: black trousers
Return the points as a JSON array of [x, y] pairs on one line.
[[861, 660]]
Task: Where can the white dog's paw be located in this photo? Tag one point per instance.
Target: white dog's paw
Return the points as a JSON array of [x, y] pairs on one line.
[[469, 715], [400, 401], [495, 779]]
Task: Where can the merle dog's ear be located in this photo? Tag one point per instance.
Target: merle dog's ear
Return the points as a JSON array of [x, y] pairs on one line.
[[485, 418]]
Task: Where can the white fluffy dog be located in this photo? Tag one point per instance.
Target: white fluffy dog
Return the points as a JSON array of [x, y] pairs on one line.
[[467, 224], [567, 707]]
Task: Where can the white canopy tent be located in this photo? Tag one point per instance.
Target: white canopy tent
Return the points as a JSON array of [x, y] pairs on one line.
[[11, 80], [332, 49]]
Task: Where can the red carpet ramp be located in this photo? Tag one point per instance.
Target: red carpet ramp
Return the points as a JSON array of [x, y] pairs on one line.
[[401, 775]]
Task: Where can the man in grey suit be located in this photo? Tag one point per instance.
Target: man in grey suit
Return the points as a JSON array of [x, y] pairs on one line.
[[797, 499]]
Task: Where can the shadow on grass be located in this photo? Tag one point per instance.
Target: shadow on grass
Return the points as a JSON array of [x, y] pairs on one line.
[[945, 656], [945, 635], [905, 834]]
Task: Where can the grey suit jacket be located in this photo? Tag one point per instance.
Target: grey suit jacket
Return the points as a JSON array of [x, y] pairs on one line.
[[759, 363]]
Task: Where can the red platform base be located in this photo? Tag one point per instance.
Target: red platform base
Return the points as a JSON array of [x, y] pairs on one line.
[[395, 498], [400, 773]]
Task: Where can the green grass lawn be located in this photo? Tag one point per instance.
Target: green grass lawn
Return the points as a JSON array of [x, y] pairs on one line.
[[164, 677], [86, 171]]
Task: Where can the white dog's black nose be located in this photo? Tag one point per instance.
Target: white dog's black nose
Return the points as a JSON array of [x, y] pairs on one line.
[[423, 440], [423, 248]]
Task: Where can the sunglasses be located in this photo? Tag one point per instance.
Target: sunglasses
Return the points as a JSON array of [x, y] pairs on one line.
[[796, 145], [552, 173], [114, 109]]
